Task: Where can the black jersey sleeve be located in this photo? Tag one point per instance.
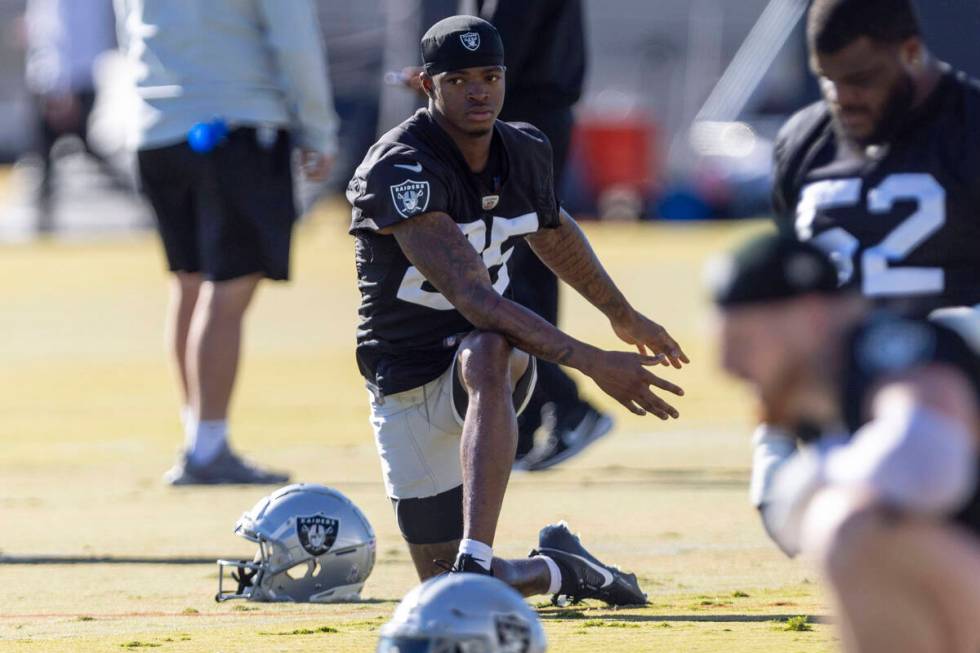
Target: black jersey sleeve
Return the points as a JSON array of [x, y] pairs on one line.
[[780, 190], [537, 147], [890, 346], [394, 189], [789, 154]]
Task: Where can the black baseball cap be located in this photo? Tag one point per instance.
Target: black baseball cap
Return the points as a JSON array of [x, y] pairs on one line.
[[461, 42], [771, 268]]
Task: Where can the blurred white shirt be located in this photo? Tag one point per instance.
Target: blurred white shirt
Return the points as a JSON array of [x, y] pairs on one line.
[[64, 38], [250, 62]]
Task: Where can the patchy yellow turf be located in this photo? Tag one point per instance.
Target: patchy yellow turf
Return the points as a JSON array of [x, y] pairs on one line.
[[88, 422]]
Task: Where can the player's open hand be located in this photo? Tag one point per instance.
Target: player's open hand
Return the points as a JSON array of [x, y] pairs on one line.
[[624, 377], [648, 336]]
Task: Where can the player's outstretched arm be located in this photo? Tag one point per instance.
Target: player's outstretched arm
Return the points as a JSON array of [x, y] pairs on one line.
[[568, 253], [434, 244]]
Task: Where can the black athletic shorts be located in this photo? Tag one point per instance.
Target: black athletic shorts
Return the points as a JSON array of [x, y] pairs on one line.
[[227, 213]]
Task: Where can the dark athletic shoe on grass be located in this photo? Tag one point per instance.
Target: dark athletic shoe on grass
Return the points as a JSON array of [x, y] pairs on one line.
[[564, 442], [227, 468], [583, 576], [467, 564]]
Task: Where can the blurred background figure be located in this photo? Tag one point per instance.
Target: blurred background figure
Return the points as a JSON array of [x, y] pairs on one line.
[[229, 88], [64, 40], [354, 39], [546, 61]]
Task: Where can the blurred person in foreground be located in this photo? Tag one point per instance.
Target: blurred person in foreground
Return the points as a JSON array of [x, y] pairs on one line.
[[887, 413], [882, 174], [463, 613], [449, 359], [64, 40], [256, 70]]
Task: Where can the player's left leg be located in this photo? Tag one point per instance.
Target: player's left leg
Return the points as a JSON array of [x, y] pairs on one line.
[[486, 367], [901, 583], [418, 434]]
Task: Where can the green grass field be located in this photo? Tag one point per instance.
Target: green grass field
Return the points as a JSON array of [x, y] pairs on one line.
[[89, 421]]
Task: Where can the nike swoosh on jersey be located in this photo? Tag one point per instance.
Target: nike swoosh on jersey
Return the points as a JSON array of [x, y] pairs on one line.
[[606, 576], [415, 168]]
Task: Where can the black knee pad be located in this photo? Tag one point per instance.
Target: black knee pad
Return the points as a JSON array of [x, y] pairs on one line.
[[431, 520]]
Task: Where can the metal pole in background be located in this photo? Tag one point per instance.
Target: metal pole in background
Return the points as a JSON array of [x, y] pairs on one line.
[[752, 61]]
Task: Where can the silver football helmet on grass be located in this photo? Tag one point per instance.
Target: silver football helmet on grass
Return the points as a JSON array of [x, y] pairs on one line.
[[463, 613], [315, 546]]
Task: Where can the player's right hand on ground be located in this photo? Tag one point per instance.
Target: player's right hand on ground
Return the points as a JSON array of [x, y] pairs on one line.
[[624, 377]]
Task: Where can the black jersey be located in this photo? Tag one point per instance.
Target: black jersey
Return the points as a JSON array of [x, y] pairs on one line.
[[408, 332], [887, 346], [901, 220]]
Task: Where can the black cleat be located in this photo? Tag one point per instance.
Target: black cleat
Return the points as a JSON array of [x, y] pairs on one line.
[[582, 575], [467, 564]]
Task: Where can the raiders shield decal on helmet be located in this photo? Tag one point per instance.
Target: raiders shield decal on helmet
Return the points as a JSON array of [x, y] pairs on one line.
[[470, 40], [410, 197], [317, 533], [513, 633]]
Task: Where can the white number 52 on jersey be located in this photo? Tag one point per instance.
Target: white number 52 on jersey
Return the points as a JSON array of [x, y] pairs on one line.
[[878, 278]]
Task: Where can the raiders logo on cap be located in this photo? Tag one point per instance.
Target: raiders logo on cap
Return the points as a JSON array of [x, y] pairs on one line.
[[470, 41]]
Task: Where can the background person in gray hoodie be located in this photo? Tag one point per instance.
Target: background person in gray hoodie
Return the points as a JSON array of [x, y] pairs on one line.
[[228, 89]]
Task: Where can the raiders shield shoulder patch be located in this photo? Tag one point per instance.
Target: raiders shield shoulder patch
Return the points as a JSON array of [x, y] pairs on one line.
[[317, 533], [410, 197]]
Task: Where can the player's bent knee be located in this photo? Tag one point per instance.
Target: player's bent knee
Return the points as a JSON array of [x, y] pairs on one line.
[[483, 356], [431, 520]]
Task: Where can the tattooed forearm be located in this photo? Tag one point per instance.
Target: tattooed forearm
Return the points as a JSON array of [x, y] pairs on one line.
[[568, 253], [434, 244]]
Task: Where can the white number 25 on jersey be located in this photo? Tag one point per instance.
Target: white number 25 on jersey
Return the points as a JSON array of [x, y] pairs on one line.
[[877, 277], [411, 289]]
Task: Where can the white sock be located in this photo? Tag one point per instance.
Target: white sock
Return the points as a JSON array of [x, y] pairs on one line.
[[555, 574], [206, 439], [481, 553], [189, 420]]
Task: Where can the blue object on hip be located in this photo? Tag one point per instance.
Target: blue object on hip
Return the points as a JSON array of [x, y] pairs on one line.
[[203, 137]]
